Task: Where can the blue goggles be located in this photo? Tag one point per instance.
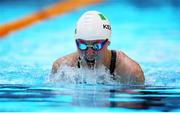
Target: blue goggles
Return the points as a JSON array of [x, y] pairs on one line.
[[96, 45]]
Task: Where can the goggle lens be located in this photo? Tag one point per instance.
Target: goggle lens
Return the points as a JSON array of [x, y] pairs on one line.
[[82, 46], [95, 46]]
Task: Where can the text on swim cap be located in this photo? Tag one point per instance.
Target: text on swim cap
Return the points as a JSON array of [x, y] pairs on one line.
[[105, 26]]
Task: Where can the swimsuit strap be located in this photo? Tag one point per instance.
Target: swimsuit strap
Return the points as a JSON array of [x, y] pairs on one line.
[[113, 62], [78, 63]]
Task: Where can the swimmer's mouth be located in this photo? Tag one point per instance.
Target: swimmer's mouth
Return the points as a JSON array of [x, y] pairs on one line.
[[90, 62]]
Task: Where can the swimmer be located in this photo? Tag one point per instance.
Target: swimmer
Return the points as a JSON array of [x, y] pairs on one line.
[[92, 38]]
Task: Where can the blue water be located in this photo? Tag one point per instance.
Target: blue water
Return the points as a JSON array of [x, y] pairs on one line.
[[147, 32]]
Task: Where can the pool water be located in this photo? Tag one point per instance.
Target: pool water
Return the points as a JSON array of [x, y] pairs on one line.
[[95, 98], [147, 32]]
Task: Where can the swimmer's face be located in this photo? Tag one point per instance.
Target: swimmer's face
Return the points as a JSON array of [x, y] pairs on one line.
[[91, 50]]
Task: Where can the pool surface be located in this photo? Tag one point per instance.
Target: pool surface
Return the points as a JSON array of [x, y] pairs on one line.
[[148, 32], [82, 98]]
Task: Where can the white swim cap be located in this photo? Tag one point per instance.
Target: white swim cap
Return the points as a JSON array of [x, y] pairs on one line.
[[93, 25]]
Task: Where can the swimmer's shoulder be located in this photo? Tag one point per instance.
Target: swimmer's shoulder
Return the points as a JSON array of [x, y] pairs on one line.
[[69, 60], [124, 59], [120, 56], [128, 66]]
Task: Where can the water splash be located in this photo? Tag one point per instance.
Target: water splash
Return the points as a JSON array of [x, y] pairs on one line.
[[67, 74]]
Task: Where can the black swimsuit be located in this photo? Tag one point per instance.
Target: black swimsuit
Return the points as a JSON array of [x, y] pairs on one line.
[[112, 65]]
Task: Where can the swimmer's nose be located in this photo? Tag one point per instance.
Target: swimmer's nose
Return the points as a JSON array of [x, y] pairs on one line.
[[90, 51]]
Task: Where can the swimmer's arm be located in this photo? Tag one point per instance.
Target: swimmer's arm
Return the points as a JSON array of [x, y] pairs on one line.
[[138, 74], [68, 60], [55, 67], [58, 63]]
